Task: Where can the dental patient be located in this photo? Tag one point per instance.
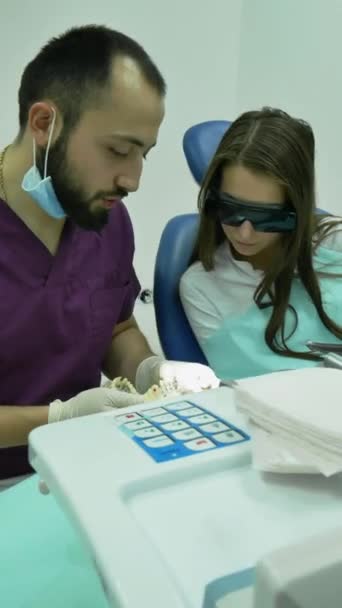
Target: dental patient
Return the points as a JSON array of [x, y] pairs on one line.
[[266, 271]]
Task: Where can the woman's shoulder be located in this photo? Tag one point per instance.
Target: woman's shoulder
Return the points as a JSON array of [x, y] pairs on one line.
[[196, 272]]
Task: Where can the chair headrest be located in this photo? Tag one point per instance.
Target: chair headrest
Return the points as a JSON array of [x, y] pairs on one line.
[[200, 143]]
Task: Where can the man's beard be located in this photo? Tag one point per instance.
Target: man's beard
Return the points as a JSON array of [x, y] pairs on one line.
[[70, 194]]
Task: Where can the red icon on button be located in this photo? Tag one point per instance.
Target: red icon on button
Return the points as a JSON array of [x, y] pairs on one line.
[[203, 443]]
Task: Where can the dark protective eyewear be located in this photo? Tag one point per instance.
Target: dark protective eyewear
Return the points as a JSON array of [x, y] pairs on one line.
[[265, 217]]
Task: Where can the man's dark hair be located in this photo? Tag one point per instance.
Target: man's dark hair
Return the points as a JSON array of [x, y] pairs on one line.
[[74, 68]]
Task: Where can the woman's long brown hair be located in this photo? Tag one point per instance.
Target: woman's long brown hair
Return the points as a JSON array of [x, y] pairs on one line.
[[271, 142]]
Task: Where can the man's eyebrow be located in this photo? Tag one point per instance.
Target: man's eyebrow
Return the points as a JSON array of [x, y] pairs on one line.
[[132, 140]]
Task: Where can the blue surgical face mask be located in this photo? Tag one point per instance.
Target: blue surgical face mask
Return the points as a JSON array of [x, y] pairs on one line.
[[41, 190]]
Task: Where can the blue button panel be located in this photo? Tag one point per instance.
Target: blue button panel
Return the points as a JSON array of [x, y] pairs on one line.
[[178, 429]]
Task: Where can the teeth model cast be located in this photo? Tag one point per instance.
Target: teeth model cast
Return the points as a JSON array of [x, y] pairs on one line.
[[156, 391]]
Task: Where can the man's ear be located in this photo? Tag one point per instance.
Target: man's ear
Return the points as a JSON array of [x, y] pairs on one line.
[[40, 118]]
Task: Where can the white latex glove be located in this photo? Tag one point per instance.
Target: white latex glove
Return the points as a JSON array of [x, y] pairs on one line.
[[92, 401], [187, 377]]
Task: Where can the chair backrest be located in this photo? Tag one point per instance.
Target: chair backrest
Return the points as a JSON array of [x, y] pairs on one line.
[[175, 248], [200, 143]]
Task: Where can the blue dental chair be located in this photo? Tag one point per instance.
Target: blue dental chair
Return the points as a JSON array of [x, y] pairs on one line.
[[175, 248]]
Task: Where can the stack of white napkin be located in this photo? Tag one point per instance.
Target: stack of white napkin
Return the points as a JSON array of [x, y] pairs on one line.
[[295, 420]]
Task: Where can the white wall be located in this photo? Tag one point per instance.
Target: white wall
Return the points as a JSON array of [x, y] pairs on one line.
[[219, 58], [290, 57], [195, 44]]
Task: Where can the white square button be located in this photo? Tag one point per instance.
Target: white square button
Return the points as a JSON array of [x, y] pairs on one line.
[[187, 434], [164, 418], [137, 424], [129, 417], [197, 445], [203, 419], [214, 427], [151, 431], [156, 411], [177, 425], [180, 405], [158, 442], [190, 411], [228, 437]]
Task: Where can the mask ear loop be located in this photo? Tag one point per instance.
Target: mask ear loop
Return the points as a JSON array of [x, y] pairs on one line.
[[48, 145], [34, 153], [49, 141]]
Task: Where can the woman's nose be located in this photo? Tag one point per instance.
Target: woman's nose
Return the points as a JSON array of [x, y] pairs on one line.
[[246, 230]]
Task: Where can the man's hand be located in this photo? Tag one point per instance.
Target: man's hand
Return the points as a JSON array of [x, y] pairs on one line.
[[186, 377], [92, 401]]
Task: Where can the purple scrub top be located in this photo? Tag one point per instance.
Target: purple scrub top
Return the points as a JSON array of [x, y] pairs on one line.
[[57, 313]]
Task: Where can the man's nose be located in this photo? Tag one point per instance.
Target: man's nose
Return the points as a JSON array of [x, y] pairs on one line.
[[129, 178]]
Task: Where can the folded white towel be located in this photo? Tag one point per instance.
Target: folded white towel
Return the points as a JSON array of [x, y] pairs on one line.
[[296, 419]]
